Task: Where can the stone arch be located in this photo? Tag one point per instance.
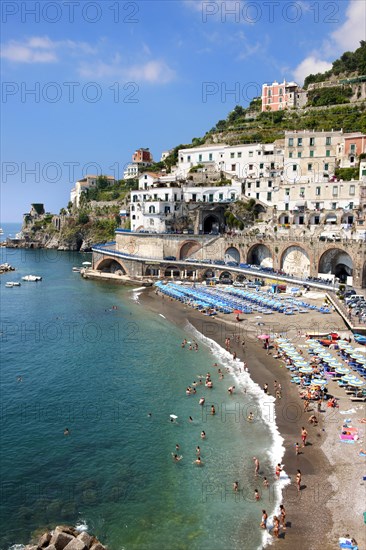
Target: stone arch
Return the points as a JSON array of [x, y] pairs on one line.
[[295, 261], [111, 265], [337, 262], [363, 282], [171, 269], [152, 271], [225, 275], [260, 254], [211, 224], [284, 219], [188, 248], [208, 274], [240, 278], [232, 254]]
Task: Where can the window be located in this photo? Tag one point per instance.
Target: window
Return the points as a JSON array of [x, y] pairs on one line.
[[232, 155], [239, 155], [312, 142], [334, 206], [189, 158], [290, 154], [302, 192], [221, 196], [352, 148], [272, 165], [352, 189], [210, 197], [134, 198], [210, 156], [175, 196], [249, 184], [268, 101], [269, 93], [166, 196], [259, 153], [167, 210], [281, 92], [133, 216], [280, 99], [299, 155], [257, 184], [199, 158], [294, 167], [269, 184], [317, 205], [299, 142], [311, 154], [257, 195], [261, 166], [155, 197], [287, 192], [250, 166], [290, 142], [310, 167], [327, 153], [335, 191], [328, 140], [326, 166], [194, 197], [233, 167], [317, 191], [151, 221], [269, 196], [250, 153]]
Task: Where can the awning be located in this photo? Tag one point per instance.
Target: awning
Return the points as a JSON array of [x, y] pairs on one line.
[[330, 219], [300, 203]]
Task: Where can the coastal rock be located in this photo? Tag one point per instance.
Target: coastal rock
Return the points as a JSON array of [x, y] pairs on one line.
[[31, 547], [85, 538], [76, 544], [61, 539], [97, 546], [44, 540], [51, 547]]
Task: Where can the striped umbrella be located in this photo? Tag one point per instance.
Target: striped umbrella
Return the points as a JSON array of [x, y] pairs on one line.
[[320, 382], [356, 382], [342, 370], [306, 370], [349, 377]]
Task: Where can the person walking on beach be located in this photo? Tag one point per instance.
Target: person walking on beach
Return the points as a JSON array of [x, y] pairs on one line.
[[298, 480], [263, 524], [265, 388], [304, 435], [257, 495], [296, 449], [276, 527], [256, 466], [278, 470], [283, 516]]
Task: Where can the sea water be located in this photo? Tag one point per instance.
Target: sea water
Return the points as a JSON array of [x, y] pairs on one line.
[[100, 372]]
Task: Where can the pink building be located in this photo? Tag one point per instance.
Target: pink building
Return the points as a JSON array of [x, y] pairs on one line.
[[276, 97]]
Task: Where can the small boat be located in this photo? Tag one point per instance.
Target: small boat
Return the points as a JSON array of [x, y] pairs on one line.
[[10, 284], [76, 269], [33, 278]]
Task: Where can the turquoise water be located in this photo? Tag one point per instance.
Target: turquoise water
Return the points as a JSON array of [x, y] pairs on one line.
[[99, 372]]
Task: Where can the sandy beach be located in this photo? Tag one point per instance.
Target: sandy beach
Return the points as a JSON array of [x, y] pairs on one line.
[[332, 497]]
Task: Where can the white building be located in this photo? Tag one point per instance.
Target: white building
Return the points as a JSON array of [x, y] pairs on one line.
[[131, 171], [159, 199], [88, 182]]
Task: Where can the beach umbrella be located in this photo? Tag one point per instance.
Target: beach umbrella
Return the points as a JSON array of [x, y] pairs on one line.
[[349, 377], [237, 311], [264, 336], [356, 382], [342, 370], [306, 370], [362, 350], [86, 263], [320, 382]]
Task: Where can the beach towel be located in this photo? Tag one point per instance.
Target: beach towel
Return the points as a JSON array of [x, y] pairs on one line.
[[362, 454], [346, 543], [350, 411]]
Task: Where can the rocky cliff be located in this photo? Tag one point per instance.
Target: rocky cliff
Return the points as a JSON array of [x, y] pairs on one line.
[[64, 537]]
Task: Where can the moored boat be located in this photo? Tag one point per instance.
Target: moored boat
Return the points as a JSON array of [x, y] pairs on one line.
[[33, 278]]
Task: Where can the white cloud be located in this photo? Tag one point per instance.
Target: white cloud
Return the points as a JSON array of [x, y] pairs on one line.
[[41, 49], [346, 37], [353, 30], [154, 71], [310, 65]]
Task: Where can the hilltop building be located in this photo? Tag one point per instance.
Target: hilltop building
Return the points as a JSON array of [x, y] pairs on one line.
[[284, 95], [81, 186], [141, 158]]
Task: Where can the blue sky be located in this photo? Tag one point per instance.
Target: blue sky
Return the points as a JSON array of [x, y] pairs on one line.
[[109, 77]]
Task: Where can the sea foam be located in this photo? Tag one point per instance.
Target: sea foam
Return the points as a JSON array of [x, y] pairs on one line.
[[266, 404]]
